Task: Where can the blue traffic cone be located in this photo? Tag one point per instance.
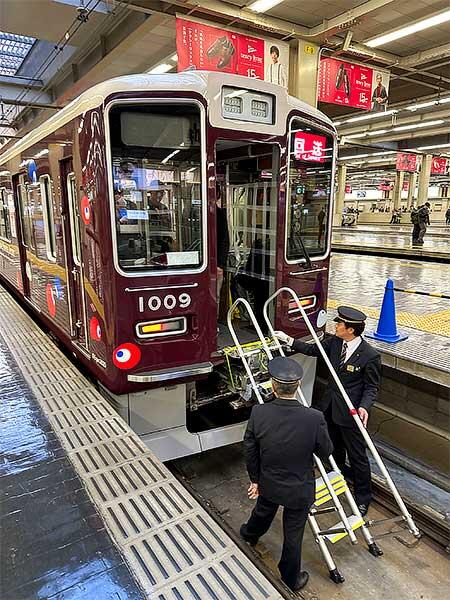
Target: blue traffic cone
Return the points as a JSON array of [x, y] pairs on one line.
[[387, 323]]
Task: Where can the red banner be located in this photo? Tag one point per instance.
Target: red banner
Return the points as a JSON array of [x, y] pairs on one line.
[[348, 188], [201, 46], [407, 162], [386, 186], [438, 165], [345, 83], [309, 146]]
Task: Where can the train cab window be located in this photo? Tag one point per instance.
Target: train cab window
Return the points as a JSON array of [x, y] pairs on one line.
[[308, 192], [5, 223], [48, 218], [158, 205]]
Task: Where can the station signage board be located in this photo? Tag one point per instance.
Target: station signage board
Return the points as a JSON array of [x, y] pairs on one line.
[[407, 162], [352, 85], [206, 47], [439, 165], [309, 147], [386, 186]]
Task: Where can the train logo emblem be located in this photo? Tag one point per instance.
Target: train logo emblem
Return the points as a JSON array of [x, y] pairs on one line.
[[126, 356], [95, 330], [53, 292], [85, 210]]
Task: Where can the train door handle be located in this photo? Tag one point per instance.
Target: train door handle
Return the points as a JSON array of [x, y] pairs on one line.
[[74, 272]]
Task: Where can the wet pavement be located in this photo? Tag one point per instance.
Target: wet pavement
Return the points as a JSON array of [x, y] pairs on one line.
[[401, 240], [53, 542]]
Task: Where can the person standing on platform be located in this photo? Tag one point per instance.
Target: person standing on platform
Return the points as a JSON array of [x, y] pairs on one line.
[[447, 216], [279, 443], [424, 220], [358, 366]]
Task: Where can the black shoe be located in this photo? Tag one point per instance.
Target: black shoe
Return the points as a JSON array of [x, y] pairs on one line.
[[247, 538], [302, 580], [363, 508]]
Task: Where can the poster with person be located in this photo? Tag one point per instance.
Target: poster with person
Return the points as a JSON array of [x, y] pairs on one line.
[[380, 90]]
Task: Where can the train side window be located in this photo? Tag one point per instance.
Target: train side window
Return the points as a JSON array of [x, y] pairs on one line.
[[159, 207], [26, 216], [74, 218], [47, 210], [308, 192], [5, 223], [36, 220]]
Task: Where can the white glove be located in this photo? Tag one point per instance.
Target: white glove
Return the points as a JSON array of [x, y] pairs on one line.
[[283, 338]]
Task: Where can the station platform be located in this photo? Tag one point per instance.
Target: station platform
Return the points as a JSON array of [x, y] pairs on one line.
[[392, 240], [87, 511]]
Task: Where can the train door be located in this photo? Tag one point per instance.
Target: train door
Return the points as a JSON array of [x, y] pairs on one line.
[[248, 188], [305, 230], [23, 233], [74, 259]]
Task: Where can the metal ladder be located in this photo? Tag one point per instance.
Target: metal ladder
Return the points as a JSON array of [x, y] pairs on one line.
[[329, 486]]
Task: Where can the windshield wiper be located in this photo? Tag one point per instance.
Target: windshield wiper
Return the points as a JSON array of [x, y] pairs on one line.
[[305, 251]]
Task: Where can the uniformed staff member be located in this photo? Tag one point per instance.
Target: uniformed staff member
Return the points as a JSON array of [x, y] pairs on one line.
[[358, 366], [279, 442]]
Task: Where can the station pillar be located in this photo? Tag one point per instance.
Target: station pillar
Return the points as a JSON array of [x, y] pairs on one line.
[[397, 191], [411, 189], [424, 179], [340, 195], [303, 71]]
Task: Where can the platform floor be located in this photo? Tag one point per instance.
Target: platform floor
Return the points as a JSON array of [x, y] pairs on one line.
[[87, 511], [390, 240], [359, 281], [419, 573]]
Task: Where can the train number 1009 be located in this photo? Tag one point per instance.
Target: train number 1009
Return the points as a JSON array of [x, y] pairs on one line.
[[169, 302]]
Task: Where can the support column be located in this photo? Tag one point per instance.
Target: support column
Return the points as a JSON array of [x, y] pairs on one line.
[[424, 179], [397, 191], [340, 195], [303, 71], [411, 189]]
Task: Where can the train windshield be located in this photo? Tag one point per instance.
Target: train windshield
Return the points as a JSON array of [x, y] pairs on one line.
[[308, 192], [156, 164]]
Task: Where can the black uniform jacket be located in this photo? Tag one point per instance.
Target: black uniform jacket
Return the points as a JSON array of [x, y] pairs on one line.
[[279, 442], [360, 376]]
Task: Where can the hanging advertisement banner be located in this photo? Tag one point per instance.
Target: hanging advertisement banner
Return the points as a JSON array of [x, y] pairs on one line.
[[439, 165], [407, 162], [352, 85], [348, 188], [309, 146], [208, 48], [386, 186]]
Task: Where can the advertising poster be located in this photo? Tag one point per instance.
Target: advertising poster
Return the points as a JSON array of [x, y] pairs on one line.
[[439, 165], [352, 85], [208, 48], [407, 162]]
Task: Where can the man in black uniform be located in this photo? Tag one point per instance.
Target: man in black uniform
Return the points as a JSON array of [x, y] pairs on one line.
[[358, 366], [279, 442]]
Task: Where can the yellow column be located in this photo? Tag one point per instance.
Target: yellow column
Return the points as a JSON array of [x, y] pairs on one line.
[[411, 189], [398, 187], [424, 179], [303, 71]]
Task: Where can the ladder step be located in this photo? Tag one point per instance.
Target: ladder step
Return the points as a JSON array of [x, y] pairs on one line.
[[354, 521], [326, 497], [334, 478]]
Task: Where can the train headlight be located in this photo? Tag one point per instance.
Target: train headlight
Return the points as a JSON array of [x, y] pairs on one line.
[[162, 327]]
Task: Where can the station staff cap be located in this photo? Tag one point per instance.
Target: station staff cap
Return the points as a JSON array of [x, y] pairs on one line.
[[285, 370], [350, 315]]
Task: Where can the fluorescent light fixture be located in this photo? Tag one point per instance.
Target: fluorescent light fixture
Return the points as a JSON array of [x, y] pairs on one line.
[[169, 156], [419, 125], [433, 147], [355, 135], [377, 132], [438, 19], [160, 69], [41, 153], [355, 156], [336, 123], [263, 5], [371, 116], [436, 102]]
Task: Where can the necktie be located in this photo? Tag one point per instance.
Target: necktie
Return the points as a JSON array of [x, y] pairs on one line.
[[343, 355]]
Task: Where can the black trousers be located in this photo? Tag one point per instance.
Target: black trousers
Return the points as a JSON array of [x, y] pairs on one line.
[[294, 520], [348, 441], [415, 232]]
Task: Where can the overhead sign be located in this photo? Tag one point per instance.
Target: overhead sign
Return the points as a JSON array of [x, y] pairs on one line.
[[202, 46], [439, 165], [309, 146], [407, 162], [386, 186], [352, 85]]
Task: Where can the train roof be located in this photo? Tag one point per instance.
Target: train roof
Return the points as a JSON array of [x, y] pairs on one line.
[[202, 82]]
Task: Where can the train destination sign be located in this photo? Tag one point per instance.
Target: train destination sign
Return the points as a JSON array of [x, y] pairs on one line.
[[309, 146]]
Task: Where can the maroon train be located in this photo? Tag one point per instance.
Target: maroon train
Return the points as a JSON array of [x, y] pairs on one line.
[[108, 230]]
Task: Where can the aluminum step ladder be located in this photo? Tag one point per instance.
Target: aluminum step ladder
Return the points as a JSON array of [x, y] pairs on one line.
[[329, 486], [405, 514]]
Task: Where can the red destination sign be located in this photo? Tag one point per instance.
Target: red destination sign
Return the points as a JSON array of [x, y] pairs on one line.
[[386, 186], [407, 162], [309, 146], [345, 83], [438, 165]]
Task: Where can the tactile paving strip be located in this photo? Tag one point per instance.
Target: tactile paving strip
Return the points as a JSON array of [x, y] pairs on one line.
[[174, 548]]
